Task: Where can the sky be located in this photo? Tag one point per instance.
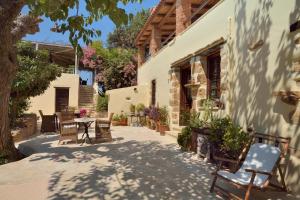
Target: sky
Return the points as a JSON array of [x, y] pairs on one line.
[[105, 25]]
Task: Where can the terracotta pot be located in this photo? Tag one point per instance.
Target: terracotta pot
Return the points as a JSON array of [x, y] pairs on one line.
[[163, 129], [157, 125]]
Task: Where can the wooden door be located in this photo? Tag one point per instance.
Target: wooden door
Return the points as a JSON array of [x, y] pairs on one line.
[[61, 99], [185, 93]]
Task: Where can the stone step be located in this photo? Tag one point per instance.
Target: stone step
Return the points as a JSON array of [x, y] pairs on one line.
[[177, 128], [172, 133]]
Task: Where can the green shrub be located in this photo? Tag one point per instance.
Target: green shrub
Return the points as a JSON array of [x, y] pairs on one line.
[[140, 107], [163, 115], [234, 140], [184, 138], [185, 118], [120, 117], [102, 103], [195, 121]]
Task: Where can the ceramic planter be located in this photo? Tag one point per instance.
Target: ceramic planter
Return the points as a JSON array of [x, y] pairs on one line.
[[119, 123], [163, 129]]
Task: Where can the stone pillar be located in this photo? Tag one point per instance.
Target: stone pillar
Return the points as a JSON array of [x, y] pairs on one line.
[[183, 15], [175, 96], [141, 55], [155, 40], [200, 75]]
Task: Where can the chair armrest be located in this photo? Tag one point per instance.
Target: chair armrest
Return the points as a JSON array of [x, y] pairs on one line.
[[258, 172], [225, 159]]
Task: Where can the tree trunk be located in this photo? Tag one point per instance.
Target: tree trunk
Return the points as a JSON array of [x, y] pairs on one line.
[[8, 67]]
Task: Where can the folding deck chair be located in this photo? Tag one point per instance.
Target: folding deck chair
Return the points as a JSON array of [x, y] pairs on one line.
[[259, 167]]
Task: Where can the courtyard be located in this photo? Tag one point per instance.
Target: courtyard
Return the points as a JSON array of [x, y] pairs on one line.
[[138, 164]]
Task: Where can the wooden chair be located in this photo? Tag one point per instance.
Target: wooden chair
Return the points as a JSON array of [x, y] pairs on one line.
[[102, 129], [259, 167], [48, 123], [67, 126]]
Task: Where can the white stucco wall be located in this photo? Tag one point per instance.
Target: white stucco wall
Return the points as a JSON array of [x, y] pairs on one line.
[[253, 75], [46, 101], [121, 99]]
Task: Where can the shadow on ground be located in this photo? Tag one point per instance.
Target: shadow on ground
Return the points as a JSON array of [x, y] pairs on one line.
[[124, 170]]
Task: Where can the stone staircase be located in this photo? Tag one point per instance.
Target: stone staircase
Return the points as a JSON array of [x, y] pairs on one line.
[[175, 130], [86, 98]]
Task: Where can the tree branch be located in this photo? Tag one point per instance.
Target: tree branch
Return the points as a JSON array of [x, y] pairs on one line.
[[25, 24]]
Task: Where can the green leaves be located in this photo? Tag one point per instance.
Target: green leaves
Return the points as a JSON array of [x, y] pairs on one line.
[[71, 18], [35, 72]]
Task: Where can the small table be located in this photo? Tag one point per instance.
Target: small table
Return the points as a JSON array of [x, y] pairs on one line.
[[87, 122]]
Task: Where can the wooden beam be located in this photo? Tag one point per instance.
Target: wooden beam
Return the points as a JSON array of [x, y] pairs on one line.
[[167, 15], [199, 9]]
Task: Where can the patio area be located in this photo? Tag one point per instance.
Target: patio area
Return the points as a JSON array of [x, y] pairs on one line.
[[138, 164]]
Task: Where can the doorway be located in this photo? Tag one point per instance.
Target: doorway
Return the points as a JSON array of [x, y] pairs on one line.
[[186, 100], [214, 75], [61, 99]]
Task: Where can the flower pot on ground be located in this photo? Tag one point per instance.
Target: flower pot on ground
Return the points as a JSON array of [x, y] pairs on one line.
[[157, 126], [163, 120], [119, 120], [163, 128]]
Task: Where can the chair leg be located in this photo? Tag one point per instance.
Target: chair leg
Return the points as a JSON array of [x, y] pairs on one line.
[[213, 184], [247, 196], [282, 179]]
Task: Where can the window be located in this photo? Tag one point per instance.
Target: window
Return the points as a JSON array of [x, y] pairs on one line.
[[153, 92], [214, 76]]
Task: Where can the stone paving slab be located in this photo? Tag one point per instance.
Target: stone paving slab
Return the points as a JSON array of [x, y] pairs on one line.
[[138, 164]]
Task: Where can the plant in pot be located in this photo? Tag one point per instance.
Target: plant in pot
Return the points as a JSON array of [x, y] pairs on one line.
[[132, 109], [119, 120], [140, 109], [228, 139], [123, 119], [146, 113], [163, 120], [115, 120], [154, 117]]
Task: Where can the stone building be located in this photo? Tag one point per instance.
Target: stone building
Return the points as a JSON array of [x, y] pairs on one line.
[[242, 54]]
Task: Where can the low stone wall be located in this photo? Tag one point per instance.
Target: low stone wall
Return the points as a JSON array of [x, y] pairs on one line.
[[28, 129], [119, 100]]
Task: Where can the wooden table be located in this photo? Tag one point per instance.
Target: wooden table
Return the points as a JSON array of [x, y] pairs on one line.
[[87, 122]]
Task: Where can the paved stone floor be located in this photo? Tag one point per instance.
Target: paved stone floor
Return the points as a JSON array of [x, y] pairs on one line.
[[138, 164]]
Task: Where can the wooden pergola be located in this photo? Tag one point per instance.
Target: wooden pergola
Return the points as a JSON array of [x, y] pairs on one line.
[[171, 17], [63, 55]]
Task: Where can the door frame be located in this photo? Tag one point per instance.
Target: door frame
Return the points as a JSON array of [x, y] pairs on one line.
[[55, 95]]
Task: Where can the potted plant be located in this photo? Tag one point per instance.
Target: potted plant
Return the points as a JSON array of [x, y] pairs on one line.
[[83, 112], [153, 116], [115, 120], [146, 113], [132, 109], [163, 120], [123, 120], [119, 120], [140, 109], [228, 139]]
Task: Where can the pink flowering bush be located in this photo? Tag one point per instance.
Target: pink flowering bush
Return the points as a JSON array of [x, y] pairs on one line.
[[83, 112]]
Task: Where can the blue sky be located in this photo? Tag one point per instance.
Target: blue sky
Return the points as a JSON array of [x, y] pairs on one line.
[[105, 25]]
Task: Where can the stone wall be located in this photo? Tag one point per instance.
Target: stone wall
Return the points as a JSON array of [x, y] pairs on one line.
[[28, 128], [175, 96]]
